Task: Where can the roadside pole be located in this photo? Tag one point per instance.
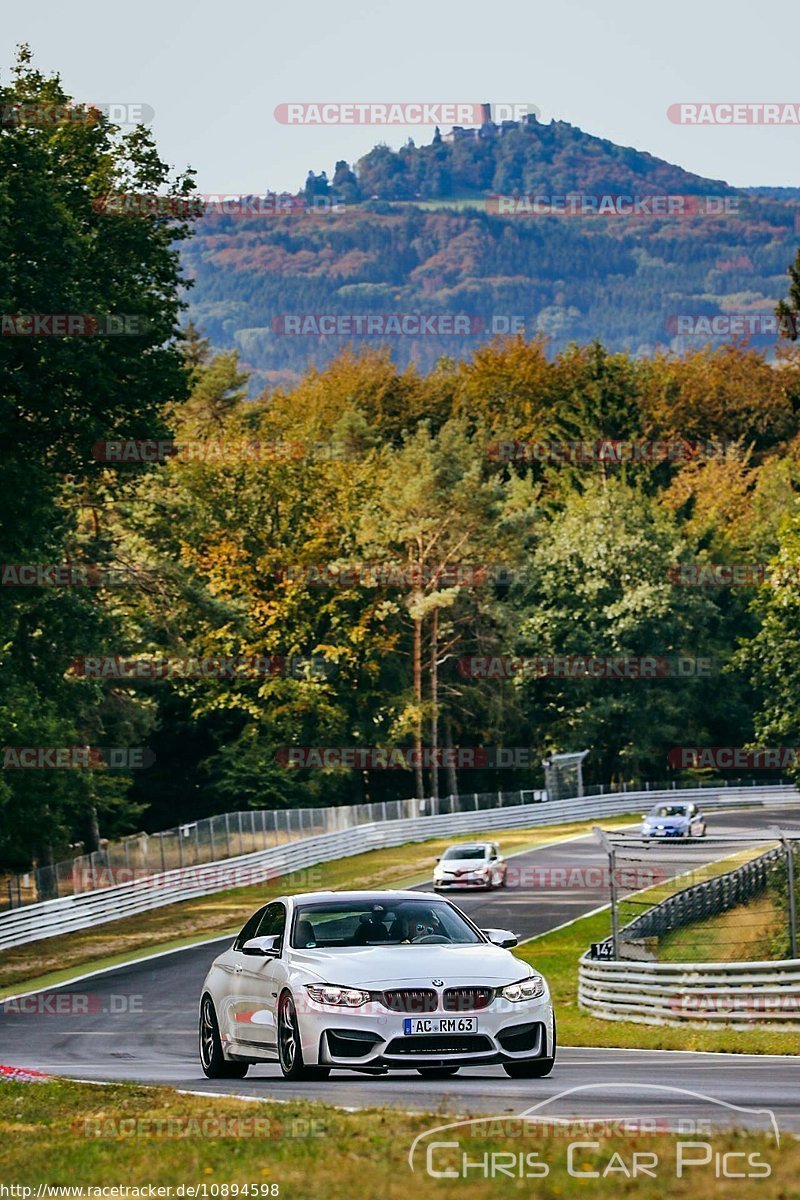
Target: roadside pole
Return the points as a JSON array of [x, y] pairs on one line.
[[612, 886], [788, 848]]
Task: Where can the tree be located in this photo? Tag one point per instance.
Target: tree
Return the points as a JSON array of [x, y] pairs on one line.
[[63, 252], [599, 586], [771, 656], [789, 311], [438, 509]]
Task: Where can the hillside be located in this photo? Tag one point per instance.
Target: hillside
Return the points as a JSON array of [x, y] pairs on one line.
[[418, 231]]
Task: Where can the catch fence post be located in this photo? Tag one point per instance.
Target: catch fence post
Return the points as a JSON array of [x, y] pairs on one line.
[[612, 882], [787, 846]]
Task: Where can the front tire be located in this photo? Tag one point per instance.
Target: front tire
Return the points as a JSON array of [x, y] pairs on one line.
[[212, 1060], [290, 1054], [437, 1072], [535, 1069]]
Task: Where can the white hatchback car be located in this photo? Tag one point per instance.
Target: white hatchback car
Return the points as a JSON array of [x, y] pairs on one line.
[[372, 981], [471, 864]]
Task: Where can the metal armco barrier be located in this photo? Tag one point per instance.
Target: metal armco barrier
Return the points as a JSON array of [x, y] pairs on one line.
[[730, 993], [50, 918]]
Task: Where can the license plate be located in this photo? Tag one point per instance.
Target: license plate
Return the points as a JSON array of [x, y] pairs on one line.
[[412, 1025]]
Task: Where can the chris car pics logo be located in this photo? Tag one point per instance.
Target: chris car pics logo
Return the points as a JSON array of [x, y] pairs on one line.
[[534, 1145]]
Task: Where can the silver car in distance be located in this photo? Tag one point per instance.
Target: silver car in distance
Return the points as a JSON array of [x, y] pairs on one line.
[[471, 864], [374, 982]]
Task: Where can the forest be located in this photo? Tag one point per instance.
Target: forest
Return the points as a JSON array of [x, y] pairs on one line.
[[425, 563]]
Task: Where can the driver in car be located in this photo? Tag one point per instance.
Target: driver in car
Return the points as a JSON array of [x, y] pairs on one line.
[[420, 924]]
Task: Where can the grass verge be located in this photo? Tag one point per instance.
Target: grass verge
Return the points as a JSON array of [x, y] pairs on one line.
[[748, 931], [71, 1134], [52, 960]]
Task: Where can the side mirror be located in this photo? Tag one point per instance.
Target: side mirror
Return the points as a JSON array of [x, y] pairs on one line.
[[262, 947], [501, 937], [438, 858]]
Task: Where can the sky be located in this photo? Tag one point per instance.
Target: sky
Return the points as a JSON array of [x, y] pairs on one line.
[[213, 73]]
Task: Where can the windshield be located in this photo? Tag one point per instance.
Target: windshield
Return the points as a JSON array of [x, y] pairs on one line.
[[465, 852], [332, 923], [668, 810]]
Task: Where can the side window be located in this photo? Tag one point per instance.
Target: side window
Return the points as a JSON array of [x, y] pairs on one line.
[[493, 851], [692, 810], [273, 921], [249, 928]]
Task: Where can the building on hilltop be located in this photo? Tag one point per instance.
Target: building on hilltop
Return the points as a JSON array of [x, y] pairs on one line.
[[488, 128]]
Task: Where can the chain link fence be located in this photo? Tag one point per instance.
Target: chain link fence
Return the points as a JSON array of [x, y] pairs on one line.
[[670, 904], [213, 839]]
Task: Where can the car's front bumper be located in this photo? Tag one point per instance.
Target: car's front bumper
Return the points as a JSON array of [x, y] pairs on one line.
[[461, 881], [506, 1032], [672, 832]]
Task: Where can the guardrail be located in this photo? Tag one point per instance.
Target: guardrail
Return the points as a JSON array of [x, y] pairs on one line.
[[739, 993], [51, 918]]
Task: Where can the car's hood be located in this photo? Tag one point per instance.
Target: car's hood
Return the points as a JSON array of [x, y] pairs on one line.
[[666, 820], [463, 864], [411, 966]]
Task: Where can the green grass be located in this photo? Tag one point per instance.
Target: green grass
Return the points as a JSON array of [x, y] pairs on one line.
[[53, 960], [755, 931], [63, 1133]]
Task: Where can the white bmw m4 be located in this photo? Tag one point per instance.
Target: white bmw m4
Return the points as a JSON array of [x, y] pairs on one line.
[[375, 982]]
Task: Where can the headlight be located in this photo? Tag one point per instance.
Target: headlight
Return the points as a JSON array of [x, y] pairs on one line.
[[329, 993], [526, 989]]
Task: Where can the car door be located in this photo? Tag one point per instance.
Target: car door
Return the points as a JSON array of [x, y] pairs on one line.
[[232, 965], [258, 988], [696, 821]]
